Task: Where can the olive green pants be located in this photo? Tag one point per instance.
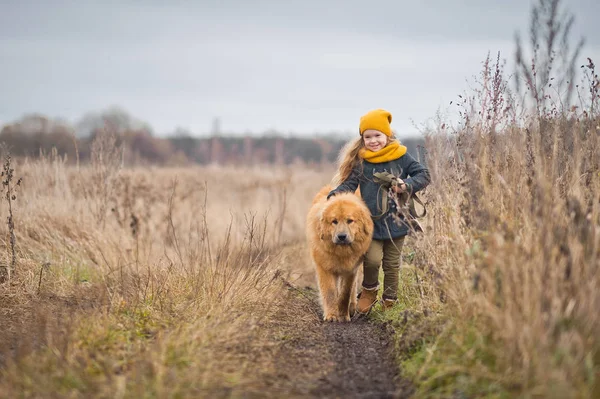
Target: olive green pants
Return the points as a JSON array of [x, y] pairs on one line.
[[388, 254]]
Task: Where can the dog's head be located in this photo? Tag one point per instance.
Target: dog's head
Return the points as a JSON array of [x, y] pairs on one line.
[[345, 220]]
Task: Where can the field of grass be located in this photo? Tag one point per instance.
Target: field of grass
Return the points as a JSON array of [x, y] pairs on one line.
[[156, 282], [152, 281]]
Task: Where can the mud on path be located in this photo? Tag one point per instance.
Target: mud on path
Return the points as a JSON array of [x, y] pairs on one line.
[[317, 359]]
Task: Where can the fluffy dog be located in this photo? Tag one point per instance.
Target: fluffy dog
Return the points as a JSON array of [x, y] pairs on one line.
[[339, 232]]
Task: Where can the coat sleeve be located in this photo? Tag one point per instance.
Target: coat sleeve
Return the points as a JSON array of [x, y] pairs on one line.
[[419, 176], [348, 185]]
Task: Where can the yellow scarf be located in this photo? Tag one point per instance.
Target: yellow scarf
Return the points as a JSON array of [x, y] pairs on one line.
[[390, 152]]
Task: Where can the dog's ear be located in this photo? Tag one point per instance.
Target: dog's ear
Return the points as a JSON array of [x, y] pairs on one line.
[[321, 225]]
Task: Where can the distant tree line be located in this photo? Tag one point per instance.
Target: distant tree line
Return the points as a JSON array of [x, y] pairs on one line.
[[35, 135]]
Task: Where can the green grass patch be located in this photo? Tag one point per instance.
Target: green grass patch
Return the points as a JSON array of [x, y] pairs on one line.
[[451, 362], [441, 359]]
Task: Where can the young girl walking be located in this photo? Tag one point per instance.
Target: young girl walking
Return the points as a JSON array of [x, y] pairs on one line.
[[377, 150]]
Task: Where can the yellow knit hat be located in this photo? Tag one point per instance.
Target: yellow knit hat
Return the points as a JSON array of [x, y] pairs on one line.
[[378, 119]]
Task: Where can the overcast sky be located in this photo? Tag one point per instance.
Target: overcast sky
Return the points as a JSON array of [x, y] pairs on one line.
[[295, 66]]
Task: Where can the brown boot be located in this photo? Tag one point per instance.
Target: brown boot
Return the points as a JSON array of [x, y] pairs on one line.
[[368, 297], [388, 303]]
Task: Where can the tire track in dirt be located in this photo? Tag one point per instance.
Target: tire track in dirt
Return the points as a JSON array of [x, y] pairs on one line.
[[332, 360], [364, 364]]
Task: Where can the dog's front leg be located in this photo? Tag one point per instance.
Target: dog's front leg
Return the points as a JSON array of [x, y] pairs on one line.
[[327, 287], [357, 278], [345, 308]]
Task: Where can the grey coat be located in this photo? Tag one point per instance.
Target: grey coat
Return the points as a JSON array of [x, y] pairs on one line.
[[415, 175]]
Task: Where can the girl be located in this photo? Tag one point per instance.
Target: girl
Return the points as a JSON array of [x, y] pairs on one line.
[[377, 150]]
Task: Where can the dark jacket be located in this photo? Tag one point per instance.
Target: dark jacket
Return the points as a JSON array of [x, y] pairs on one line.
[[415, 175]]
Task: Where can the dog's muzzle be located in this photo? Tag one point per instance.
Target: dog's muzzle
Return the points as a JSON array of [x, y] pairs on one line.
[[341, 239]]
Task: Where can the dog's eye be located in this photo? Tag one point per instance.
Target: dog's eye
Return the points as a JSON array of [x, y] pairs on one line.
[[335, 221], [349, 221]]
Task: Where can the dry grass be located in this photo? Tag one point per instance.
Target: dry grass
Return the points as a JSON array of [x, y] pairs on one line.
[[146, 282], [173, 289], [512, 254]]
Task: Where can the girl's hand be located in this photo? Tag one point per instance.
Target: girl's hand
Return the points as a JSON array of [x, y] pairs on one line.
[[401, 187]]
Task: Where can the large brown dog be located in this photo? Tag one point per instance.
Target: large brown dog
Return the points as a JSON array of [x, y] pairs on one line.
[[339, 232]]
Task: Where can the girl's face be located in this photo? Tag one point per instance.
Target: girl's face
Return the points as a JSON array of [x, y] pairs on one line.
[[374, 140]]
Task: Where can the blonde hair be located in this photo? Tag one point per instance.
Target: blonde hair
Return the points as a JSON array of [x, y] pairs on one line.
[[349, 158]]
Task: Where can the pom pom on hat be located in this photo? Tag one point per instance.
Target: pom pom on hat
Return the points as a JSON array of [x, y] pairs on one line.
[[378, 119]]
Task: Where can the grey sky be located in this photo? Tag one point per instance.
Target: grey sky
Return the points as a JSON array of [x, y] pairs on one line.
[[295, 66]]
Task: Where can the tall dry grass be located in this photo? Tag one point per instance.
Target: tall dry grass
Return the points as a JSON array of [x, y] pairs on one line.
[[513, 247], [147, 282]]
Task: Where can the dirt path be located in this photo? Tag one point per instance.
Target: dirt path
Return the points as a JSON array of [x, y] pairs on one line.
[[331, 360]]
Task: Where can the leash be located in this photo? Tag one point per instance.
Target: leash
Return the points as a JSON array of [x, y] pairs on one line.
[[388, 180]]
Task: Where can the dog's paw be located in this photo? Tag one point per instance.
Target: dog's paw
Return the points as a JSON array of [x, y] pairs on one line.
[[330, 317], [336, 318]]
